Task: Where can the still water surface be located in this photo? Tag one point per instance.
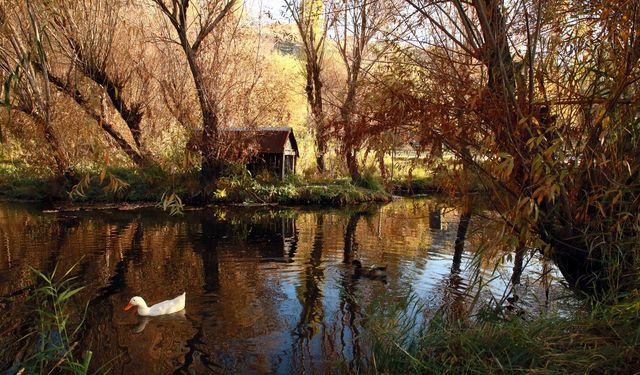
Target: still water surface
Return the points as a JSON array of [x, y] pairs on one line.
[[268, 290]]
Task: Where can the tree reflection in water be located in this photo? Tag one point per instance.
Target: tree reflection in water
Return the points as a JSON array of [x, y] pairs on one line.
[[454, 296], [310, 296], [349, 307], [267, 290]]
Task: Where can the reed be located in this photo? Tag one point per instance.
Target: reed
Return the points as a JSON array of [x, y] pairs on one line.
[[598, 338], [50, 344]]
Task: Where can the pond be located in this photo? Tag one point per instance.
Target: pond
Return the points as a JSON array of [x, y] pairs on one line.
[[268, 290]]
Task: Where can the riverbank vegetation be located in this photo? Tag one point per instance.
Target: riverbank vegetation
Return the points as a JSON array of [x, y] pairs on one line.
[[599, 338], [171, 190]]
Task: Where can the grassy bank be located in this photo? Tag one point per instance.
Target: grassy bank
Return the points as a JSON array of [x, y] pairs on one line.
[[118, 185], [423, 185], [600, 339], [435, 183]]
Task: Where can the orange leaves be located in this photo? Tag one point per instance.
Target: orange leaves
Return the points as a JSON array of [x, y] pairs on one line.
[[548, 190]]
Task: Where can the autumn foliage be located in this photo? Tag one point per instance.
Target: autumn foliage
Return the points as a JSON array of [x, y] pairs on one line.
[[537, 100]]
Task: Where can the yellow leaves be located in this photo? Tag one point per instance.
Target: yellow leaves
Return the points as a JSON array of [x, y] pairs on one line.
[[534, 121], [220, 215], [528, 207], [616, 198], [505, 167], [537, 169], [534, 142], [113, 186], [171, 202], [78, 189], [626, 163], [220, 193], [548, 153], [188, 160]]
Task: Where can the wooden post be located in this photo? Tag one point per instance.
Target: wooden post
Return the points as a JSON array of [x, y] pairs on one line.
[[283, 157]]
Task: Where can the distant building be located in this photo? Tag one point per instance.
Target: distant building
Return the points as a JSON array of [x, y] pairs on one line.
[[286, 47], [276, 150], [408, 150]]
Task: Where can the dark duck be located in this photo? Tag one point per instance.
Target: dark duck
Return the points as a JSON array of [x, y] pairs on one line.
[[372, 271]]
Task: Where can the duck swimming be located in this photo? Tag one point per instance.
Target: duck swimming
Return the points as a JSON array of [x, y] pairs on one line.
[[372, 271], [163, 308]]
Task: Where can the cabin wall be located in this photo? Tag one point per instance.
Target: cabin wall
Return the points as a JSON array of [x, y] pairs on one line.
[[272, 164]]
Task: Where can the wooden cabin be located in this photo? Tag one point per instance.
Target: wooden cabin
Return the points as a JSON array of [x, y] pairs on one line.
[[276, 150]]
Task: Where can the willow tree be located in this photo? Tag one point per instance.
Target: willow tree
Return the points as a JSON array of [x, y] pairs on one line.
[[312, 27], [201, 19], [554, 124], [85, 39], [356, 24], [89, 36], [25, 66]]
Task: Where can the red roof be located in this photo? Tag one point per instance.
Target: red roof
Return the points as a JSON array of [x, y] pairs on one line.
[[269, 140]]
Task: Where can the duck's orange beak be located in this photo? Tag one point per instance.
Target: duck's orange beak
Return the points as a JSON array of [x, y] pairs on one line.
[[128, 306]]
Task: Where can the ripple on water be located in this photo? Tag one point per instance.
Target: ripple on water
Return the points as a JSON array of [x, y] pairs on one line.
[[267, 290]]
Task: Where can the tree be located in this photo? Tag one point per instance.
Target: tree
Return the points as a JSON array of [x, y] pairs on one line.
[[87, 35], [26, 70], [312, 28], [551, 105], [207, 17], [357, 23]]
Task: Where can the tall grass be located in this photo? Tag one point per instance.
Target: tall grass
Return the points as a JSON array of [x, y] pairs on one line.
[[597, 339], [50, 344]]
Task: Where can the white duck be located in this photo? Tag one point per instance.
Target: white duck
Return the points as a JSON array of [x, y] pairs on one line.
[[163, 308]]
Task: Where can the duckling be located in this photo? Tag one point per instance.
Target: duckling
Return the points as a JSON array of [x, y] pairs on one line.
[[371, 271]]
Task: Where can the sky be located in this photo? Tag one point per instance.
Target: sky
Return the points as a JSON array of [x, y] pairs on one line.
[[273, 8]]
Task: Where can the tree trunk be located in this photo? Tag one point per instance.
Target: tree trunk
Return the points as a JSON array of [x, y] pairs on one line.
[[314, 98], [138, 158], [60, 156], [211, 165], [579, 251], [350, 244], [461, 234], [383, 169], [518, 263], [321, 145], [352, 166], [350, 153], [588, 264]]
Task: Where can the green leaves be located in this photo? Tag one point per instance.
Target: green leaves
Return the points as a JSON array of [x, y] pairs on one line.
[[65, 295], [54, 347]]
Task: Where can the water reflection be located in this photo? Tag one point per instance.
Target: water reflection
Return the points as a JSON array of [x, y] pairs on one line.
[[267, 290]]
